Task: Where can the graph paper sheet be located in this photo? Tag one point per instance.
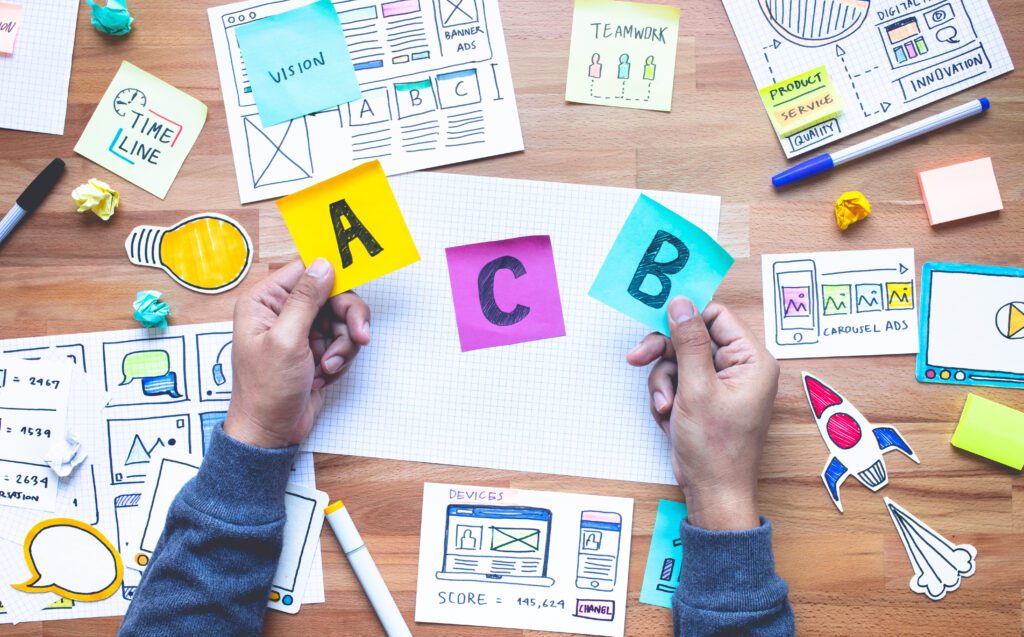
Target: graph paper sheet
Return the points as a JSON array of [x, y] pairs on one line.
[[436, 87], [133, 393], [885, 57], [568, 405], [35, 77]]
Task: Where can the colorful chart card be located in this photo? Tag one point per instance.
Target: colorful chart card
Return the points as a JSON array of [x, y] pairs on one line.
[[10, 23], [853, 303], [991, 430], [972, 319], [665, 559], [298, 62], [659, 255], [801, 101], [142, 129], [622, 54], [961, 190], [535, 560], [505, 292], [354, 222]]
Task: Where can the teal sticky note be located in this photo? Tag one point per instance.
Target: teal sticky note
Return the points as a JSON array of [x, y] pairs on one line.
[[657, 256], [297, 62], [665, 559]]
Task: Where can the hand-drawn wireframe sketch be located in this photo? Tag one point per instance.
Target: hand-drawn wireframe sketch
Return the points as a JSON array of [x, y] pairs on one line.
[[74, 353], [851, 451], [497, 544], [436, 90], [125, 506], [939, 565], [972, 319], [145, 371], [597, 563], [839, 303], [214, 372], [133, 441], [305, 517], [885, 57], [169, 477]]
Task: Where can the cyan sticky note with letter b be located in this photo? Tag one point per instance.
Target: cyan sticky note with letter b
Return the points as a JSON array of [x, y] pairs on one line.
[[657, 256], [297, 62]]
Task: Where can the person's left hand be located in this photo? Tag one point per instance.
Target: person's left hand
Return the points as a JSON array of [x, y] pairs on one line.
[[290, 343]]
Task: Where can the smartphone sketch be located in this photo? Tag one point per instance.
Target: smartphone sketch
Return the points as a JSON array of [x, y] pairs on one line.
[[598, 560], [796, 302]]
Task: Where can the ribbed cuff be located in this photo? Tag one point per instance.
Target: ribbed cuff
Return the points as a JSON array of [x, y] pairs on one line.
[[728, 570], [242, 484]]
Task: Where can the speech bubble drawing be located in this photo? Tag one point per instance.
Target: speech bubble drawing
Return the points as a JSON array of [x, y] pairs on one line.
[[72, 559], [161, 385], [147, 364], [947, 35]]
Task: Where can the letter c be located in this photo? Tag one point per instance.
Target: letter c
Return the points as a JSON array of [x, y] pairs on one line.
[[485, 286]]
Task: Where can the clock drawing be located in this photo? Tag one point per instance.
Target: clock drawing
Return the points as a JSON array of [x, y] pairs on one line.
[[127, 99]]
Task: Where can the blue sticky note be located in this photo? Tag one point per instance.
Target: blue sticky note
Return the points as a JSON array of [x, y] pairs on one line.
[[665, 559], [657, 256], [297, 62]]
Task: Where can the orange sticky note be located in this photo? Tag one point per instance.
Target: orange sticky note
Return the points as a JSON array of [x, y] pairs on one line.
[[959, 191], [10, 22], [353, 221]]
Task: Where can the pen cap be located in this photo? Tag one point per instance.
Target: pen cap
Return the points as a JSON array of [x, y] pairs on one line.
[[343, 527], [41, 186]]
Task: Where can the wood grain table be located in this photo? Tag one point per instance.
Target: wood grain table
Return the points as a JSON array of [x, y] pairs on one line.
[[63, 272]]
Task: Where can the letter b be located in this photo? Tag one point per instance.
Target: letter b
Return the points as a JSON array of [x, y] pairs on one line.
[[658, 269], [342, 213], [414, 97], [485, 285]]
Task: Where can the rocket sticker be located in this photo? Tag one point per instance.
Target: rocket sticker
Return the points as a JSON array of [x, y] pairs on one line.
[[854, 444]]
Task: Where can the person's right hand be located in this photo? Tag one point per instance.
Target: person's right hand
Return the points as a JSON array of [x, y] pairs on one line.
[[712, 393]]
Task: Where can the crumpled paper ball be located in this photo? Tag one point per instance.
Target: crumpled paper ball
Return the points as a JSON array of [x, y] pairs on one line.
[[113, 19], [96, 196], [851, 207], [149, 310]]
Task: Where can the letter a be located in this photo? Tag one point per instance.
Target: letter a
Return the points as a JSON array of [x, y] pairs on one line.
[[660, 270], [485, 285], [341, 213]]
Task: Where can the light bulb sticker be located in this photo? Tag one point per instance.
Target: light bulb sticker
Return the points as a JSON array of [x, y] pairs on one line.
[[208, 252], [152, 367], [72, 559]]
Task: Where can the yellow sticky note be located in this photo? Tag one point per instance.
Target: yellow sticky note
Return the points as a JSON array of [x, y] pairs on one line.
[[801, 101], [353, 221], [10, 23], [622, 54], [142, 129], [991, 430]]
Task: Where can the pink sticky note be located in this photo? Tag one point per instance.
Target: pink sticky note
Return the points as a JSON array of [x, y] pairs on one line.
[[505, 292], [10, 22], [960, 190]]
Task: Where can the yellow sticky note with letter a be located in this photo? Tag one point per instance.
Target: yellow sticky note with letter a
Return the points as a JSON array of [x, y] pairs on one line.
[[353, 221], [991, 430], [797, 103]]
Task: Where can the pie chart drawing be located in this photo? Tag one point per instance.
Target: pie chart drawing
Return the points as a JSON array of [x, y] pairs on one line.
[[1010, 320], [812, 23]]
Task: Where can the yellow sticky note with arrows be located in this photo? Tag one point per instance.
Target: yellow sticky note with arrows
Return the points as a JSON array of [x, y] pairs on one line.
[[353, 221], [991, 430]]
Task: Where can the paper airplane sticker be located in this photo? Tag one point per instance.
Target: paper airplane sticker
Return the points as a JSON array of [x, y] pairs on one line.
[[844, 430], [939, 565]]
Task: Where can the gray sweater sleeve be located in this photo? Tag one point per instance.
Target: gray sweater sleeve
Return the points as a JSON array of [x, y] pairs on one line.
[[212, 568], [728, 585]]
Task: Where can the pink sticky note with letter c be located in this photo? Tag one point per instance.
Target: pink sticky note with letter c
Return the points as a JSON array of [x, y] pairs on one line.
[[10, 22], [505, 292]]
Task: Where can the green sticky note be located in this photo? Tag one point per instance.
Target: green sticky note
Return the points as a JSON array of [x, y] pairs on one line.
[[142, 129], [797, 103], [665, 559], [297, 62], [659, 255], [991, 430]]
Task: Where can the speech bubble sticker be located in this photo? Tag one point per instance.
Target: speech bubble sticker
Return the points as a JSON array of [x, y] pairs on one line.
[[147, 364], [72, 559]]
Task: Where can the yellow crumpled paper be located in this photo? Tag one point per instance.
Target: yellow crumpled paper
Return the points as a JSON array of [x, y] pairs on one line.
[[851, 207], [98, 197]]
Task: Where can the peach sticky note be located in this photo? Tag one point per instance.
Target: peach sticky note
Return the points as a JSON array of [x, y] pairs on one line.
[[959, 191], [353, 221], [10, 22]]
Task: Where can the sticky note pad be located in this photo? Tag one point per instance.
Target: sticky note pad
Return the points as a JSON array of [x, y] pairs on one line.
[[991, 430], [10, 22], [353, 221], [622, 54], [142, 129], [297, 62], [801, 101], [505, 292], [665, 558], [961, 190], [659, 255]]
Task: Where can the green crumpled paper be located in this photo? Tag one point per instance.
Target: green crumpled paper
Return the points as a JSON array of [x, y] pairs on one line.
[[112, 19], [149, 310]]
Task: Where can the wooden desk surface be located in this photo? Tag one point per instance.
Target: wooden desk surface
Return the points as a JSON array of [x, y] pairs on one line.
[[62, 273]]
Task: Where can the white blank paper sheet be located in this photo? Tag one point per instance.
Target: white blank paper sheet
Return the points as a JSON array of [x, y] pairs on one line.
[[569, 405]]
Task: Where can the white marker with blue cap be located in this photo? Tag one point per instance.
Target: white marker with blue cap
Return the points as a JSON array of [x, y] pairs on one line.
[[828, 161]]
